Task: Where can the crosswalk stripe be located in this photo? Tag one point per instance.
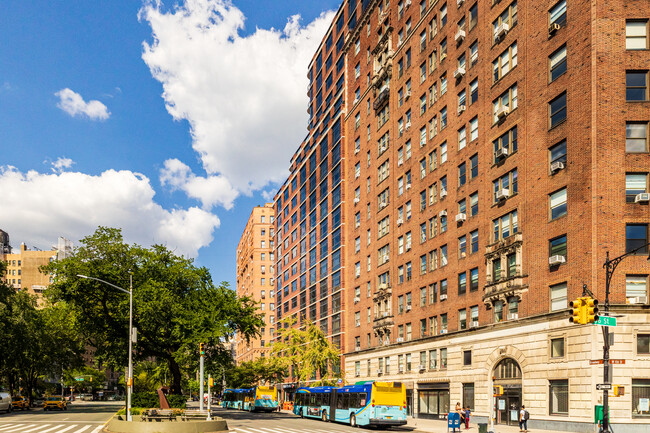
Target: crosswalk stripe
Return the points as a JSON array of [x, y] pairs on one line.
[[64, 430], [21, 428], [8, 426], [37, 428], [82, 429], [50, 429], [98, 429], [247, 431]]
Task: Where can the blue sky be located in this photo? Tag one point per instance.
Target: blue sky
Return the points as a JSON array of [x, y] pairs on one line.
[[170, 121]]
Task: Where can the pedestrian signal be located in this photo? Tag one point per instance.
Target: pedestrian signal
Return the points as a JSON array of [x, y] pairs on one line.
[[619, 390], [498, 390]]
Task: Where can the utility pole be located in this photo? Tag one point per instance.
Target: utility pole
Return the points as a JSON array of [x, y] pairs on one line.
[[209, 395], [201, 376]]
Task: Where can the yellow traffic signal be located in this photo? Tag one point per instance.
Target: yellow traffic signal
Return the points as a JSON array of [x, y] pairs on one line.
[[619, 390], [129, 382], [591, 308], [498, 390], [577, 311], [91, 378], [211, 382], [201, 350]]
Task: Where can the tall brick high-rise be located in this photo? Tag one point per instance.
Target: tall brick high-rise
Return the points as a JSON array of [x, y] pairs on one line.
[[255, 264], [468, 166]]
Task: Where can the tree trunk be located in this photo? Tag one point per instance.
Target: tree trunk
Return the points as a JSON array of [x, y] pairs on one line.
[[175, 371]]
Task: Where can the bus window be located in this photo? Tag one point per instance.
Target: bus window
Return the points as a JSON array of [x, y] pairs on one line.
[[362, 399]]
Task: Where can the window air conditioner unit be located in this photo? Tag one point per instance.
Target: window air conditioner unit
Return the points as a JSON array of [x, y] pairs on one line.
[[356, 349], [357, 300], [357, 200], [422, 367], [443, 331], [459, 3], [513, 316], [501, 153], [556, 260], [502, 112], [400, 340], [443, 56], [459, 72], [460, 35], [386, 257], [407, 3], [443, 193], [461, 217], [553, 28], [379, 372], [638, 300], [408, 186], [502, 30], [382, 205], [407, 95], [355, 101], [400, 221], [503, 194], [644, 197], [399, 163], [408, 125], [357, 374], [557, 166], [461, 109], [408, 308], [443, 297], [383, 286], [356, 151], [357, 225], [442, 213], [474, 324]]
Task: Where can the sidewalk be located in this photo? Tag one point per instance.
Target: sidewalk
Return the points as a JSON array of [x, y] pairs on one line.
[[440, 426]]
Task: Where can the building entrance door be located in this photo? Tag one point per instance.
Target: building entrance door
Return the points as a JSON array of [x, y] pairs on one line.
[[507, 374]]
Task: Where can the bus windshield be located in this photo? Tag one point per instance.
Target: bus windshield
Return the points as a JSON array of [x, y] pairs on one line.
[[388, 394]]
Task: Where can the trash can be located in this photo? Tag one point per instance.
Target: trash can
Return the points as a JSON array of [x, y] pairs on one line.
[[482, 427]]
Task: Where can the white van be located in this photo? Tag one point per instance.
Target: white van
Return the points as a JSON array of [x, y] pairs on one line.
[[5, 402]]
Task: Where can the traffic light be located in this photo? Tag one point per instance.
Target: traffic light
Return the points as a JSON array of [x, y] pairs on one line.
[[201, 349], [129, 381], [591, 308], [498, 390], [577, 311], [91, 378], [211, 381], [619, 390]]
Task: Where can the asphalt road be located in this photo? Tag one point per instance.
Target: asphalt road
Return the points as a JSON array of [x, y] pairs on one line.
[[282, 422], [81, 417]]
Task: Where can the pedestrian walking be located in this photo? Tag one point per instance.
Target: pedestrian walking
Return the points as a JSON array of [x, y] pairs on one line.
[[523, 419], [467, 414]]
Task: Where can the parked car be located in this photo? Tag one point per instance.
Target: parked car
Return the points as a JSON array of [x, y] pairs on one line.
[[19, 402], [86, 397], [55, 402], [5, 402]]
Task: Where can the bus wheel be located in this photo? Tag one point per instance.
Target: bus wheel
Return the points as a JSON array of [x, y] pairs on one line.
[[324, 416], [353, 421]]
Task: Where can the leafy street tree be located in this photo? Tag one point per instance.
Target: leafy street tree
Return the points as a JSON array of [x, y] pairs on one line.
[[248, 374], [307, 352], [36, 342], [176, 305], [93, 379]]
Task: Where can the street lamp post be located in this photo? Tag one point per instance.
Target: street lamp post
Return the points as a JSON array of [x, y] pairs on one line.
[[129, 381], [610, 267]]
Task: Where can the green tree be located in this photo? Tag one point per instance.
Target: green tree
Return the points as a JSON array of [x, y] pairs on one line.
[[307, 352], [248, 374], [176, 305], [93, 379]]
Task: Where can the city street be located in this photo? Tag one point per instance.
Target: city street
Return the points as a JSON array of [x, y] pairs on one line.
[[81, 417], [282, 422]]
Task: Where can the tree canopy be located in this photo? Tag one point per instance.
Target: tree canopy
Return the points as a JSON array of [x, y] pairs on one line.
[[176, 305]]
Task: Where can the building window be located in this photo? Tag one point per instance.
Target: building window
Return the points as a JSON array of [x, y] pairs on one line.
[[636, 137], [506, 101], [443, 358], [557, 14], [559, 397], [558, 297], [504, 63], [557, 153], [636, 289], [557, 110], [506, 182], [467, 360], [558, 247], [557, 63], [509, 17], [468, 392], [558, 202], [636, 34], [473, 280], [640, 397], [636, 236], [505, 226], [462, 284], [557, 347], [635, 183], [636, 85], [643, 344]]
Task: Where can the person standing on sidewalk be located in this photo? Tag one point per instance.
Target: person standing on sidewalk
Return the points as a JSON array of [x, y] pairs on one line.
[[467, 414], [523, 419]]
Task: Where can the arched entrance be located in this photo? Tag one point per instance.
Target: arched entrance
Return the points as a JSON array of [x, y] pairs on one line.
[[507, 374]]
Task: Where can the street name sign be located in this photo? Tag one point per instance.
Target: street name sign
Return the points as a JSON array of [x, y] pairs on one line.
[[596, 362], [79, 379], [617, 361], [606, 321], [609, 361], [603, 386]]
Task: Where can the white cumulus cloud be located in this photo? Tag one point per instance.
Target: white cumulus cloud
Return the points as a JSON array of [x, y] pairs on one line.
[[61, 164], [72, 103], [73, 204], [210, 190], [245, 97]]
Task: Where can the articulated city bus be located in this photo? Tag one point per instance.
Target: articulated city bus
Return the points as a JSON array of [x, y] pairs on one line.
[[263, 398], [364, 403], [234, 398]]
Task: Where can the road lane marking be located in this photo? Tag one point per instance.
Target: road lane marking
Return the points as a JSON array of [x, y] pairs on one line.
[[98, 428], [21, 428], [65, 429], [37, 428], [82, 429], [49, 429]]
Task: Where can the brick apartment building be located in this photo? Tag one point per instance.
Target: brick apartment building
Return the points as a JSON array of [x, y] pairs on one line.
[[494, 152], [255, 263]]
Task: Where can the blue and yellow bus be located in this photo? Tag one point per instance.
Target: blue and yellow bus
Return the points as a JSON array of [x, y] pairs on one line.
[[234, 398], [364, 404]]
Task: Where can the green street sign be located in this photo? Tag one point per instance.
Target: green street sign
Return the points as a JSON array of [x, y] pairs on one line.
[[79, 379], [606, 321]]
